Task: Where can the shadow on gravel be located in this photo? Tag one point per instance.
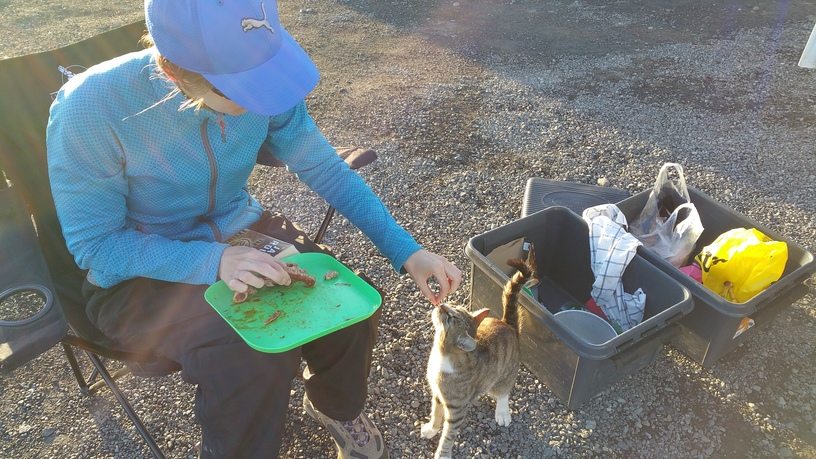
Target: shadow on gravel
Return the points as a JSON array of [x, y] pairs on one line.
[[116, 433], [483, 29], [728, 80], [764, 398]]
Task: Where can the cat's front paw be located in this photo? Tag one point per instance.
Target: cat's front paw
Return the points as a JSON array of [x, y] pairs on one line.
[[503, 418], [428, 430]]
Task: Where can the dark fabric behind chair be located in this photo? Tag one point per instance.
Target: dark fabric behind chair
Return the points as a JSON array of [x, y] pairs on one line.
[[32, 249]]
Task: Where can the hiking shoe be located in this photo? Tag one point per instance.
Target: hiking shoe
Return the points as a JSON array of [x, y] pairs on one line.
[[355, 439]]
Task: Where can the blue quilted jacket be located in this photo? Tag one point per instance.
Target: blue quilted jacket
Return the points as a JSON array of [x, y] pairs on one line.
[[145, 190]]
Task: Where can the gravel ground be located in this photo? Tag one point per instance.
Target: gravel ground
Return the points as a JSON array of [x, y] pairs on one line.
[[465, 101]]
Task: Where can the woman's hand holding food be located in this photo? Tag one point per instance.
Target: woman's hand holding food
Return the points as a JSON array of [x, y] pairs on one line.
[[243, 267], [424, 265]]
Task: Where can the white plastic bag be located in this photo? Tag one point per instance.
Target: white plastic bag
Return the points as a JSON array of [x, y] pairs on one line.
[[669, 224]]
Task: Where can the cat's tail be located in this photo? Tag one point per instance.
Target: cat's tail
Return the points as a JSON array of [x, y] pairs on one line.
[[525, 274]]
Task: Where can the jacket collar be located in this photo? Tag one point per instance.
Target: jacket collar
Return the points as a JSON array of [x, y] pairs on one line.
[[162, 87]]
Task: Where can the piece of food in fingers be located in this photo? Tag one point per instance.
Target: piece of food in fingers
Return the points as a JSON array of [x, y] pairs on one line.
[[240, 297]]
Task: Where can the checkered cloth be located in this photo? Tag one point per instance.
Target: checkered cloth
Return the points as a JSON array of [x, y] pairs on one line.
[[611, 249]]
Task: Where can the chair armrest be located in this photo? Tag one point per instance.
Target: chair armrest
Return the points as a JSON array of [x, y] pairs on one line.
[[24, 270], [266, 158], [355, 157]]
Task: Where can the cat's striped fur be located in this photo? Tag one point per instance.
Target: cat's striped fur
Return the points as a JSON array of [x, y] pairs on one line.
[[473, 354]]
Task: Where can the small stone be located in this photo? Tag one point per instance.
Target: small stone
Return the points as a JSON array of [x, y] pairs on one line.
[[24, 428], [603, 181], [47, 432], [591, 424]]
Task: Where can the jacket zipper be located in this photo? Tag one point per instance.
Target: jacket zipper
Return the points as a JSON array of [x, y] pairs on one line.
[[213, 180]]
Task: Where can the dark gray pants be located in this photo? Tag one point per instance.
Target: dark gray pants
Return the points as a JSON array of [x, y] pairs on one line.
[[242, 395]]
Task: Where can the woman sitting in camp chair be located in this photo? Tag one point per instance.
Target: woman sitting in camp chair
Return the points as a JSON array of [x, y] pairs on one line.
[[149, 156]]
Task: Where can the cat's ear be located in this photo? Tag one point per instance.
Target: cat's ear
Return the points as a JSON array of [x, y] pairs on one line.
[[465, 342], [478, 316]]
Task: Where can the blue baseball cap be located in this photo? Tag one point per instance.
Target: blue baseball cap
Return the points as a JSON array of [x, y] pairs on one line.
[[239, 46]]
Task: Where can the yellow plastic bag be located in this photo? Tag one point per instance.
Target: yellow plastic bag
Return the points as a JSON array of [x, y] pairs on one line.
[[741, 263]]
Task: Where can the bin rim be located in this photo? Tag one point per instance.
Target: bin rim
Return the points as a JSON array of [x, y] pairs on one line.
[[719, 303], [584, 349]]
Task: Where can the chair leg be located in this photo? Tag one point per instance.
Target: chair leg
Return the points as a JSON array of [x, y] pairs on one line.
[[324, 226], [92, 378], [120, 397], [107, 379], [94, 387], [69, 354]]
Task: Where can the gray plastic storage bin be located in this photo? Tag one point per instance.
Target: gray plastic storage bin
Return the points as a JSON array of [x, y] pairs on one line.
[[573, 369], [711, 330]]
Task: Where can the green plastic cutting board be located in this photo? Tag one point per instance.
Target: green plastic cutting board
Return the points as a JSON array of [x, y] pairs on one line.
[[305, 313]]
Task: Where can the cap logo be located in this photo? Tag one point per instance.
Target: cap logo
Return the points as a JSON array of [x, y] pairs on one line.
[[251, 23]]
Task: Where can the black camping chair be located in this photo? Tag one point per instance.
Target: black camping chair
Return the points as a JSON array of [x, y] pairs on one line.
[[35, 265]]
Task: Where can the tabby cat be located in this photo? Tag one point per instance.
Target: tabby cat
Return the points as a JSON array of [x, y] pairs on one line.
[[473, 354]]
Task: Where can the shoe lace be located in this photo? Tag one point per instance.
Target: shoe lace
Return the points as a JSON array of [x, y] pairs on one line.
[[358, 431]]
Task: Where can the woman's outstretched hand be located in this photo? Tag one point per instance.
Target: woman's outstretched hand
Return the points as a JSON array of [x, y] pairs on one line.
[[424, 265]]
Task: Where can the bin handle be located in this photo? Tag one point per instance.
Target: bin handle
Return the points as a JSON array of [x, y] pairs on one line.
[[647, 335], [623, 359]]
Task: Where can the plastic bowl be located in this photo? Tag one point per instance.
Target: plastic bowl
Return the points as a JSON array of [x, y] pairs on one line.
[[586, 325]]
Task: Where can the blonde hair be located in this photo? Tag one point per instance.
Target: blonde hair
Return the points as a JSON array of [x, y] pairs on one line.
[[186, 81]]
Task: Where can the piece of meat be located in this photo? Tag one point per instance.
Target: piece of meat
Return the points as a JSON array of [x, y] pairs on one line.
[[330, 275], [297, 274], [272, 318]]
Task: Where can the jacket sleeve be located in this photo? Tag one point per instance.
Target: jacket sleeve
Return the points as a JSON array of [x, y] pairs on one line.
[[295, 139], [86, 167]]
